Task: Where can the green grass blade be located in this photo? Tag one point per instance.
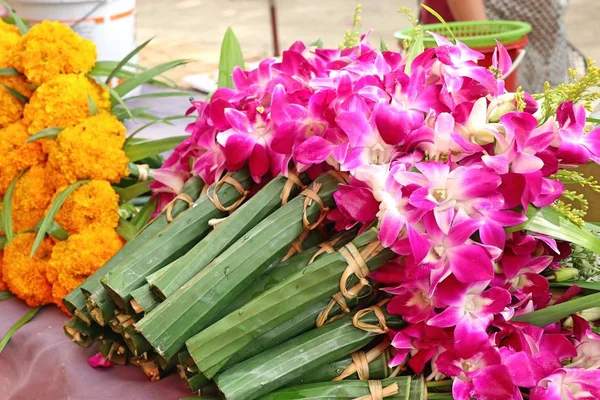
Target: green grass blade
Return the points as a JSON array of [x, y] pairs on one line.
[[138, 151], [125, 60], [548, 315], [92, 107], [9, 72], [146, 76], [133, 191], [143, 216], [5, 294], [126, 229], [49, 217], [25, 319], [317, 43], [3, 240], [158, 121], [382, 45], [554, 224], [440, 18], [48, 133], [592, 286], [231, 57], [18, 20], [416, 48], [159, 95], [19, 96], [7, 209]]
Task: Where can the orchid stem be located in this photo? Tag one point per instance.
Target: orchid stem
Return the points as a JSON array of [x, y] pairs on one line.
[[442, 383]]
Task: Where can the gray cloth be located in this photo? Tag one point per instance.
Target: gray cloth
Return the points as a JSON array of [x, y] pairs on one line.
[[40, 362], [547, 57]]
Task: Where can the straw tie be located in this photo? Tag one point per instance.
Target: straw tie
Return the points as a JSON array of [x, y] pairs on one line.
[[143, 172], [360, 362], [236, 185], [169, 208], [292, 180], [376, 309], [296, 246], [311, 194]]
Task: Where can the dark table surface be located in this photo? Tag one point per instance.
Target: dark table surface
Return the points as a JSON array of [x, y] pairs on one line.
[[40, 362]]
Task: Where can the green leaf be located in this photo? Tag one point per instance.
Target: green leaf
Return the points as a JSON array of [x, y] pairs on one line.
[[554, 224], [382, 45], [7, 209], [4, 295], [92, 107], [48, 133], [548, 315], [46, 223], [231, 57], [3, 240], [166, 121], [592, 286], [133, 191], [143, 216], [18, 20], [55, 230], [25, 319], [416, 48], [21, 97], [146, 76], [440, 18], [317, 43], [592, 226], [593, 120], [126, 229], [114, 96], [9, 72], [125, 60], [138, 151]]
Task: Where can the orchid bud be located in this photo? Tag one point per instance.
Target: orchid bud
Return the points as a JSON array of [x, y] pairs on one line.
[[565, 274], [500, 106]]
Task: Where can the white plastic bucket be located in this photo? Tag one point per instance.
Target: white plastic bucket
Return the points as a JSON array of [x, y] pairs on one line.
[[108, 23]]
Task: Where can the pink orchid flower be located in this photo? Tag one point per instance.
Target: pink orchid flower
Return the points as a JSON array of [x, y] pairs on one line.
[[470, 309], [99, 361], [575, 146], [568, 384], [411, 301], [421, 343]]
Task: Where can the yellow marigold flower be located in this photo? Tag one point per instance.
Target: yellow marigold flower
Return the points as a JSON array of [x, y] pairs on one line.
[[78, 257], [32, 196], [24, 276], [16, 154], [52, 48], [92, 205], [2, 284], [9, 39], [91, 150], [63, 102], [11, 108]]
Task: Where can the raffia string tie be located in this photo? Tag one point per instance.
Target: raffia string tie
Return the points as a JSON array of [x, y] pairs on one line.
[[323, 317], [143, 172], [356, 266], [377, 329], [378, 392], [236, 185], [292, 180], [311, 194], [360, 362], [341, 177], [169, 207], [296, 246]]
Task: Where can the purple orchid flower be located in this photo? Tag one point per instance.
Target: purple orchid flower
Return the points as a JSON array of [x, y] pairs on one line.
[[575, 146]]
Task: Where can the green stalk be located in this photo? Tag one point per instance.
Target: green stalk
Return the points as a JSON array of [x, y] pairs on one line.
[[227, 232], [91, 288], [287, 362], [214, 346], [190, 309], [174, 241], [409, 388], [82, 334], [144, 300]]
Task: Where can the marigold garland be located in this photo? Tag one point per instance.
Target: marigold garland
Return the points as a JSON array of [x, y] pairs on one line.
[[63, 102], [12, 108], [25, 276], [92, 205], [31, 197], [2, 284], [52, 48], [9, 39], [16, 153], [76, 258]]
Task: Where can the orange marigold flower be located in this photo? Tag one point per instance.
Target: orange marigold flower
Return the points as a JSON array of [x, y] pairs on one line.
[[92, 205], [63, 102], [32, 196], [16, 154], [52, 48], [9, 40], [11, 109], [78, 257], [2, 284], [92, 149], [24, 276]]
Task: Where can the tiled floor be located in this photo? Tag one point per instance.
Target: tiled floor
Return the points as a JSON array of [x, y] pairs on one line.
[[194, 28]]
